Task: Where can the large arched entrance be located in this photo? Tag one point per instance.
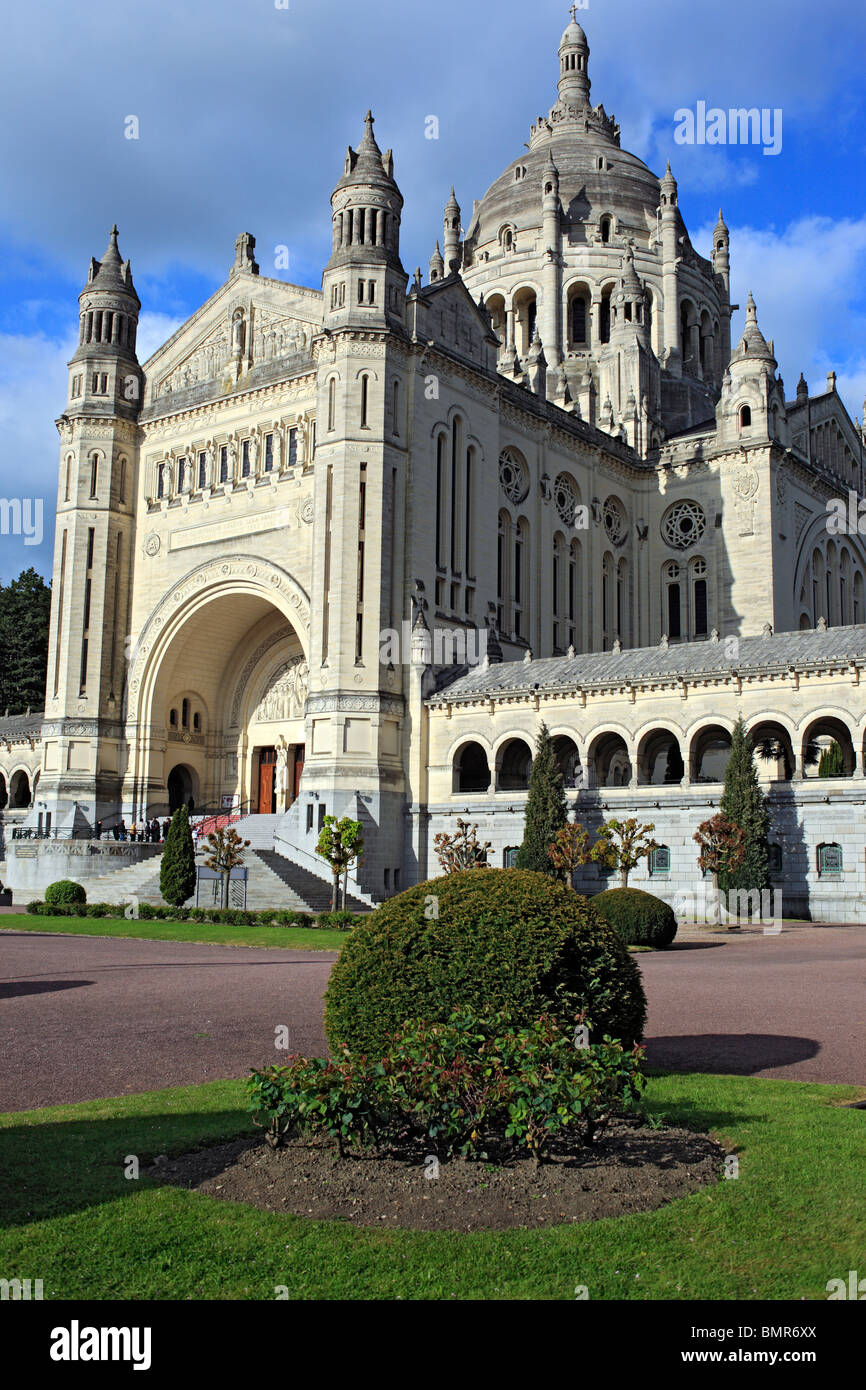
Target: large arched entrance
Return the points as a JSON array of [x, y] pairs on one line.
[[219, 695]]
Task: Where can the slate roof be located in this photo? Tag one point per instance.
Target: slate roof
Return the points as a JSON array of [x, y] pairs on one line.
[[18, 726], [689, 660]]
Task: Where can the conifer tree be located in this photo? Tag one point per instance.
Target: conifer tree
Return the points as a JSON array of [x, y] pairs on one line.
[[177, 873], [546, 810], [743, 803]]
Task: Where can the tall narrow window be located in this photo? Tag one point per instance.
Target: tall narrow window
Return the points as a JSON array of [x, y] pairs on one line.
[[454, 553], [293, 447], [326, 578], [362, 520], [674, 616], [224, 463], [123, 480], [501, 569], [578, 321], [604, 320], [202, 469], [88, 592], [160, 481], [468, 519], [440, 500], [365, 397], [245, 459], [332, 402], [184, 714], [521, 624], [396, 407], [68, 479], [269, 453], [181, 473], [60, 594], [94, 475], [699, 597]]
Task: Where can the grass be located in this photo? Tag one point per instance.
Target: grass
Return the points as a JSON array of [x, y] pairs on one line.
[[792, 1220], [205, 933]]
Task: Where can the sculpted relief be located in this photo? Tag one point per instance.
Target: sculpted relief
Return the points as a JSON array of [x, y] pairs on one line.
[[286, 693], [263, 337]]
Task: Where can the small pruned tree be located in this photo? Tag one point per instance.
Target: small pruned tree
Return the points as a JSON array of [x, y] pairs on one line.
[[722, 847], [744, 803], [177, 866], [569, 851], [622, 845], [463, 850], [341, 844], [226, 853]]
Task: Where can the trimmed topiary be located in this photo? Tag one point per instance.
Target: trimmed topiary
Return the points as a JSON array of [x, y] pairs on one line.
[[488, 940], [64, 891], [641, 918]]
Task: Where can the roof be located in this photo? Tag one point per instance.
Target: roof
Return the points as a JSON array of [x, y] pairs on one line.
[[687, 660], [20, 726]]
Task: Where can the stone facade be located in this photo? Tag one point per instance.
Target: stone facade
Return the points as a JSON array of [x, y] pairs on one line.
[[281, 538]]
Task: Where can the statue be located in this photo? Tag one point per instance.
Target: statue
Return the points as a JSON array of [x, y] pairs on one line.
[[282, 777]]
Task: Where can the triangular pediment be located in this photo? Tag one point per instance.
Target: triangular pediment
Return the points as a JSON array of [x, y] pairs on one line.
[[250, 321]]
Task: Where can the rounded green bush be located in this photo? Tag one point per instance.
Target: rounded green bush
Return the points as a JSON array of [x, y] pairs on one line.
[[641, 918], [65, 891], [488, 940]]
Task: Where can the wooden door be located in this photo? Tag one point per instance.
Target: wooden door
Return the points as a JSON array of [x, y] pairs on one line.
[[267, 776], [300, 753]]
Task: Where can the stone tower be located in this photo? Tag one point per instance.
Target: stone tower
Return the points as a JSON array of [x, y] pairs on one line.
[[93, 552], [354, 726]]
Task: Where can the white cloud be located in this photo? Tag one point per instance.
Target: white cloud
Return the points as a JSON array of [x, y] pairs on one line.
[[807, 279]]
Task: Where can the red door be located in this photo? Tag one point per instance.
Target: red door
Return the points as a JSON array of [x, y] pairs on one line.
[[267, 774], [300, 752]]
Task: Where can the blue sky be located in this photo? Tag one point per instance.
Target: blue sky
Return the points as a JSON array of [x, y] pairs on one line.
[[245, 110]]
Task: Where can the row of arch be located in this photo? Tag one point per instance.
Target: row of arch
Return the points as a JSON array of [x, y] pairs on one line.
[[587, 322], [660, 756], [832, 587], [107, 326]]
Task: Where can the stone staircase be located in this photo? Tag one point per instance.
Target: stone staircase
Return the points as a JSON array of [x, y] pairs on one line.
[[312, 890], [272, 880]]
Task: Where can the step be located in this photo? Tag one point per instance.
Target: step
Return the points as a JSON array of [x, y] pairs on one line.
[[316, 892]]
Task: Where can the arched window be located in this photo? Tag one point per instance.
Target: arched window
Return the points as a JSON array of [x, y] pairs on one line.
[[673, 600], [621, 598], [68, 478], [575, 585], [520, 622], [607, 601], [172, 718], [502, 569], [440, 501], [196, 722], [395, 406], [160, 481], [604, 317], [94, 475], [556, 590], [123, 480], [605, 229], [184, 717], [332, 402], [745, 417], [365, 397], [579, 321], [699, 597]]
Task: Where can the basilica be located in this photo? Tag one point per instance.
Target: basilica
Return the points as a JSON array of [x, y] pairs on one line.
[[343, 550]]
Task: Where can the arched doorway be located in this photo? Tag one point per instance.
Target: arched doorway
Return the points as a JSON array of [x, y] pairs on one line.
[[19, 791], [181, 788]]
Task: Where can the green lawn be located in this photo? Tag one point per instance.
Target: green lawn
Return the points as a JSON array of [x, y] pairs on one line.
[[791, 1221], [206, 933]]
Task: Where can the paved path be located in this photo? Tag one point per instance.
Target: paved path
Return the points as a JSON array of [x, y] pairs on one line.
[[82, 1017], [791, 1006]]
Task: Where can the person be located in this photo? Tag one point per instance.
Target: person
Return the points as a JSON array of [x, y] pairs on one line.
[[154, 830], [115, 830], [133, 832], [123, 830], [99, 830], [165, 829]]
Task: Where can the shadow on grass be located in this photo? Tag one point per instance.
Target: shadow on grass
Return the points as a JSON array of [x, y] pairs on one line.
[[54, 1168], [729, 1054]]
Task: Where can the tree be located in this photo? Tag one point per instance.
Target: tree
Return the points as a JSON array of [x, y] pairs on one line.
[[25, 613], [341, 843], [177, 872], [622, 845], [743, 803], [723, 849], [463, 850], [546, 809], [832, 761], [569, 851], [226, 853]]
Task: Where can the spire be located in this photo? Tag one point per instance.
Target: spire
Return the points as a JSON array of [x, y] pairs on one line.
[[721, 225], [753, 343], [574, 83], [437, 265], [367, 164], [112, 272], [453, 256]]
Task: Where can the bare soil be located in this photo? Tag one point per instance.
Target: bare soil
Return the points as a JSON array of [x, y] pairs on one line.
[[632, 1168]]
